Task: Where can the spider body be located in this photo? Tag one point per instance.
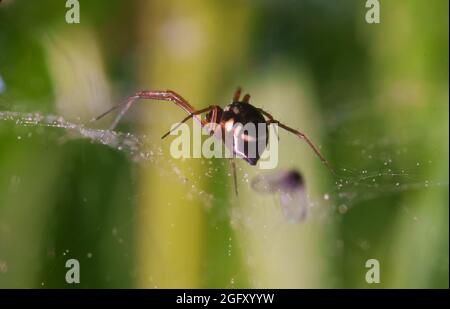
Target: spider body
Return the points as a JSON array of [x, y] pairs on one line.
[[245, 126]]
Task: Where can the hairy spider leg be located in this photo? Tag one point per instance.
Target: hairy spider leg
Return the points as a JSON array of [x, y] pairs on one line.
[[167, 95], [246, 98], [233, 172], [213, 108], [237, 94], [300, 135], [270, 118]]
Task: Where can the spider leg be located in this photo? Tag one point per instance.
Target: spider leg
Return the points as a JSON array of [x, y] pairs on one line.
[[122, 112], [270, 119], [237, 94], [167, 95], [109, 110], [266, 114], [246, 98], [215, 118], [201, 111], [233, 172], [299, 134]]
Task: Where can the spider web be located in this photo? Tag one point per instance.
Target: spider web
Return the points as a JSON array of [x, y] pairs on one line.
[[351, 185]]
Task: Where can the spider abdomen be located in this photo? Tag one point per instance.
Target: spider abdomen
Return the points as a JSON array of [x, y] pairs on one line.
[[246, 127]]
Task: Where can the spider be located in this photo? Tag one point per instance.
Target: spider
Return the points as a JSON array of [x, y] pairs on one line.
[[238, 112]]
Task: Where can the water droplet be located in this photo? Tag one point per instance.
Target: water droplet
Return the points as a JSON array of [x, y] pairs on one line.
[[3, 266], [229, 246], [364, 245], [342, 208]]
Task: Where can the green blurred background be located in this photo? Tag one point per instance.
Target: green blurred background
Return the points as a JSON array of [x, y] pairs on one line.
[[373, 96]]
